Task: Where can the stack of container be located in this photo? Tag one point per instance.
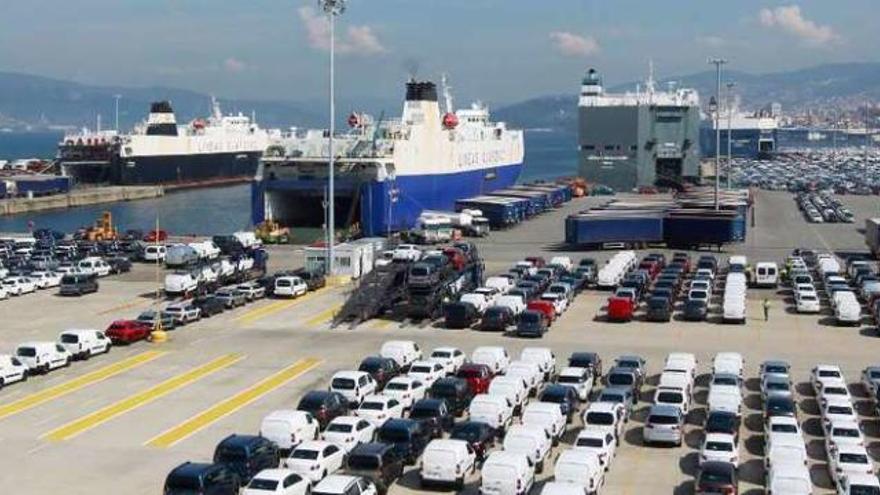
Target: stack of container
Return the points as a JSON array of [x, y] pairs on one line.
[[507, 207]]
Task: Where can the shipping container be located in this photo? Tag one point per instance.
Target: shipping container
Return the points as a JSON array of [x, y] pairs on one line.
[[601, 227], [872, 235]]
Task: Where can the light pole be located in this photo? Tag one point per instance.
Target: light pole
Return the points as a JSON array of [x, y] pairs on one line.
[[117, 98], [717, 62], [730, 86], [332, 8]]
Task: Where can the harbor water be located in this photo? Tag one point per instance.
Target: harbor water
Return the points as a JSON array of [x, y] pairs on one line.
[[225, 209]]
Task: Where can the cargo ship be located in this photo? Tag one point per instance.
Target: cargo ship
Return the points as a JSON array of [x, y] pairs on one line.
[[161, 152], [751, 134], [388, 171]]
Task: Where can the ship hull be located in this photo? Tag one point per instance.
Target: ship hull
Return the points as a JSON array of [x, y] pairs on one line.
[[373, 207], [167, 169]]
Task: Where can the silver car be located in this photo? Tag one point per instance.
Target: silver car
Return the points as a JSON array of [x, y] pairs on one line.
[[665, 424]]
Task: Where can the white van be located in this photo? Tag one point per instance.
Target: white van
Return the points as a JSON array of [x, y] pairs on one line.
[[579, 467], [290, 287], [11, 370], [94, 266], [494, 410], [506, 473], [766, 274], [503, 284], [681, 362], [353, 385], [543, 357], [737, 264], [734, 311], [495, 357], [42, 357], [403, 352], [563, 488], [535, 443], [848, 312], [287, 428], [83, 344], [514, 389], [562, 261], [546, 415], [478, 301], [515, 303], [155, 252], [528, 371], [447, 462]]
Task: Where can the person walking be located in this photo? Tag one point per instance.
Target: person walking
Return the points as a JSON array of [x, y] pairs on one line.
[[766, 306]]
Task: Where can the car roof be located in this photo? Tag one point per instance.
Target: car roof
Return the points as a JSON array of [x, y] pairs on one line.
[[313, 445], [346, 420], [602, 407], [720, 437], [371, 448], [349, 374], [240, 440], [193, 468], [334, 483], [573, 371], [274, 474], [664, 410]]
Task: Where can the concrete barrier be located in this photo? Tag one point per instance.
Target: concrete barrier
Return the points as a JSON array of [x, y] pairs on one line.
[[80, 197]]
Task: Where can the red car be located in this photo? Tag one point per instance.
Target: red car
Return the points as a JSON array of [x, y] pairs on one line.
[[478, 376], [650, 266], [456, 257], [545, 307], [127, 331], [536, 261], [620, 308], [156, 236]]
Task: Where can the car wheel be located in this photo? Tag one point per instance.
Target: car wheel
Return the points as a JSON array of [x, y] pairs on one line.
[[67, 362], [87, 355], [2, 383]]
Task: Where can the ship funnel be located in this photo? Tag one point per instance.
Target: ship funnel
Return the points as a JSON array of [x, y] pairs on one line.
[[421, 91], [161, 121]]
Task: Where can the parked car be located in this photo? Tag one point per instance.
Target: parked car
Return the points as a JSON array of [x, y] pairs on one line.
[[349, 432], [287, 428], [717, 477], [532, 323], [407, 436], [456, 392], [381, 369], [210, 479], [478, 434], [42, 357], [315, 459], [478, 376], [665, 424], [127, 331], [447, 463], [277, 481], [323, 405], [209, 305], [506, 473], [434, 415], [84, 343], [246, 455], [155, 318], [345, 485], [78, 285], [497, 319], [377, 462]]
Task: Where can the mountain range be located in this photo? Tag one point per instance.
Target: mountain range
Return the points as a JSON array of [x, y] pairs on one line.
[[29, 101]]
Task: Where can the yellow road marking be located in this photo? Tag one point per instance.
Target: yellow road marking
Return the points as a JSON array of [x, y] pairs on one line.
[[232, 404], [139, 399], [324, 316], [78, 383], [274, 307]]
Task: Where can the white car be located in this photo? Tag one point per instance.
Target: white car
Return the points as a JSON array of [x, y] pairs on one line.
[[833, 390], [404, 352], [85, 343], [288, 428], [377, 409], [94, 266], [848, 459], [42, 357], [788, 479], [856, 484], [353, 385], [279, 482], [824, 373], [598, 442], [783, 430], [494, 410], [724, 400], [349, 431], [490, 293], [17, 286], [426, 372], [45, 280], [580, 379], [728, 362], [450, 357], [184, 312], [528, 371], [719, 447], [843, 433], [11, 370], [496, 358], [836, 411], [407, 252], [315, 460], [808, 303], [585, 470], [405, 389], [513, 388], [535, 443], [543, 357], [290, 287], [559, 301], [606, 416], [546, 415], [870, 380], [781, 454]]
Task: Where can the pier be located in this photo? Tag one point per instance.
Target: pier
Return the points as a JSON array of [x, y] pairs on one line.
[[80, 197]]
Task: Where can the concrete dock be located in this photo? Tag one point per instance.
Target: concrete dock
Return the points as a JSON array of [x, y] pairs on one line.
[[80, 197], [145, 408]]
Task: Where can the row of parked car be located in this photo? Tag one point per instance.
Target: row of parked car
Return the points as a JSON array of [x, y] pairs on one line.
[[838, 170], [400, 407], [823, 208], [33, 358], [528, 298]]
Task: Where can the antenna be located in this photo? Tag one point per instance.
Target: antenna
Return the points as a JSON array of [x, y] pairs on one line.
[[447, 93]]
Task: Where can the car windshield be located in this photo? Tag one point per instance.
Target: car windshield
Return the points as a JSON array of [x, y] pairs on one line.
[[851, 458], [339, 428], [669, 398], [621, 379], [714, 477], [67, 338], [441, 354], [724, 380], [342, 384], [306, 454], [777, 386], [373, 406], [600, 418], [662, 419], [628, 363], [393, 435], [784, 428], [829, 374], [776, 369], [231, 454], [469, 373], [834, 391], [719, 447], [864, 490], [589, 442], [420, 369], [845, 432], [840, 410], [26, 352], [364, 462], [470, 433], [530, 317], [611, 397], [397, 386], [568, 379], [263, 484], [423, 412], [183, 483]]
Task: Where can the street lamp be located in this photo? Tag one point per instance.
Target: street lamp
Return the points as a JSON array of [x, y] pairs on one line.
[[117, 98], [730, 86], [332, 8], [717, 62]]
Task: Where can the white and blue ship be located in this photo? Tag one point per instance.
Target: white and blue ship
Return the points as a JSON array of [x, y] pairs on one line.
[[388, 171]]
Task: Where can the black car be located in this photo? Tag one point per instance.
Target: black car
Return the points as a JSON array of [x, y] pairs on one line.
[[455, 391], [695, 310], [377, 461], [497, 319], [563, 395], [209, 305], [717, 477], [589, 360], [532, 323], [77, 285], [119, 264], [408, 437], [479, 435], [314, 280], [779, 405], [722, 422], [434, 416], [247, 455], [659, 309], [203, 478], [624, 377], [324, 406], [382, 369], [460, 314]]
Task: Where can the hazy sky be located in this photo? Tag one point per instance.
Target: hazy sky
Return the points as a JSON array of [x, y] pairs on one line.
[[498, 50]]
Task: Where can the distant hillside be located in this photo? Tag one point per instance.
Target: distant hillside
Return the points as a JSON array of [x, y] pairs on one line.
[[39, 101], [843, 85]]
